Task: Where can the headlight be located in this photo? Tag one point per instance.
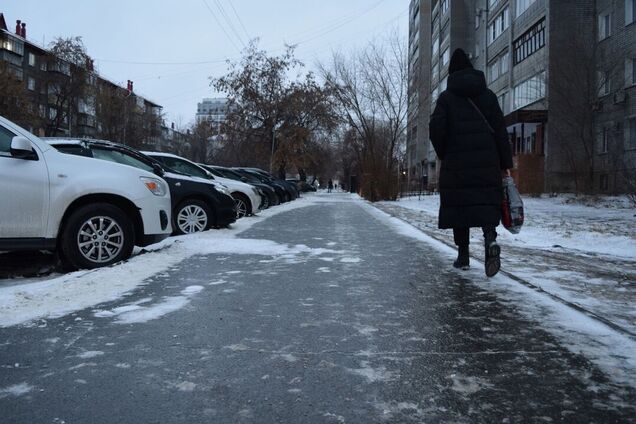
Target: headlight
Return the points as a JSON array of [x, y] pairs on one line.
[[155, 186]]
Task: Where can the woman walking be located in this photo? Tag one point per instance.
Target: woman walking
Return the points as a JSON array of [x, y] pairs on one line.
[[469, 135]]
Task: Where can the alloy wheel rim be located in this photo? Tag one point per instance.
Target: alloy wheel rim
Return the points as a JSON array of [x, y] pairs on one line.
[[192, 219], [241, 208], [100, 239]]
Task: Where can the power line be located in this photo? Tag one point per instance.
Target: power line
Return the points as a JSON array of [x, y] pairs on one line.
[[240, 21], [228, 21], [220, 26]]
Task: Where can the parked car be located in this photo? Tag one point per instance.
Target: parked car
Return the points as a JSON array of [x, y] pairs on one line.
[[290, 188], [91, 212], [303, 186], [196, 203], [269, 195], [263, 202], [247, 199], [281, 191]]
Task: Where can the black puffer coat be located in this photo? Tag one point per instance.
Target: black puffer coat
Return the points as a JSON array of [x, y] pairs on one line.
[[472, 156]]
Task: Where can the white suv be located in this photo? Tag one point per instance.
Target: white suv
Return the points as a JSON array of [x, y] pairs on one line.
[[92, 212]]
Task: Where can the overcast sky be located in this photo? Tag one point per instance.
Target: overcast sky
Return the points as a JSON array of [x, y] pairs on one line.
[[183, 43]]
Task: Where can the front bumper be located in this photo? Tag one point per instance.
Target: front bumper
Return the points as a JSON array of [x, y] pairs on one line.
[[156, 213]]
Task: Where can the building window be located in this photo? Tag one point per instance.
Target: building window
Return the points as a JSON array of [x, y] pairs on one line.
[[477, 20], [604, 83], [445, 57], [604, 26], [492, 3], [604, 182], [435, 46], [499, 67], [531, 41], [522, 6], [604, 140], [445, 6], [445, 33], [630, 11], [529, 91], [31, 59], [502, 101], [31, 84], [435, 73], [630, 71], [498, 25], [630, 133], [477, 49], [13, 45], [443, 84]]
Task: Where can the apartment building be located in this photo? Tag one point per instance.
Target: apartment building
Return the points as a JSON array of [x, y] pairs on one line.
[[214, 111], [563, 71], [46, 79]]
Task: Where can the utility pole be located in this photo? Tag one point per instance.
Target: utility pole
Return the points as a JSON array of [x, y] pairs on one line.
[[271, 158]]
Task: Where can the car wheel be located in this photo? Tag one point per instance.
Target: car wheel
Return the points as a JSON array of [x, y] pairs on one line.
[[97, 235], [192, 216], [242, 205], [265, 204]]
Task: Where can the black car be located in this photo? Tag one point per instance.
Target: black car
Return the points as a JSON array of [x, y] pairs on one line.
[[270, 198], [196, 204], [281, 191], [291, 188]]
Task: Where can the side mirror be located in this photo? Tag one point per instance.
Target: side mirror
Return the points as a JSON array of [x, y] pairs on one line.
[[210, 175], [21, 147], [158, 169]]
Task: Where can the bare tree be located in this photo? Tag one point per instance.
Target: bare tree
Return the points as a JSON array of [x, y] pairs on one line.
[[69, 81], [16, 103], [271, 116], [371, 90], [581, 84]]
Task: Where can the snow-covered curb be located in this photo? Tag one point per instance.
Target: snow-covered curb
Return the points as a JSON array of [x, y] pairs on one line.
[[63, 295], [611, 351]]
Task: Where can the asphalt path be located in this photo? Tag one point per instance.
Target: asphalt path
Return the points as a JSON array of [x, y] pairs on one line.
[[363, 326]]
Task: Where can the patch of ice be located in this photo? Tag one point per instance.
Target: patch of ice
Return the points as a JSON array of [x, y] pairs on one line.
[[167, 305], [373, 375], [191, 290], [467, 385], [90, 354], [16, 390], [350, 260], [186, 386]]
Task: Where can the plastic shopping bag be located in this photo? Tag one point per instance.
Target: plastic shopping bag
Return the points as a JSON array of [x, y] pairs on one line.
[[512, 207]]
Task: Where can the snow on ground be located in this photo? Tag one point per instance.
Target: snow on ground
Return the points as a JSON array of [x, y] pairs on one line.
[[612, 352], [607, 228], [55, 297], [582, 253]]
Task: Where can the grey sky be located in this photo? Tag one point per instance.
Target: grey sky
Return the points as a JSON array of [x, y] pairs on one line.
[[185, 32]]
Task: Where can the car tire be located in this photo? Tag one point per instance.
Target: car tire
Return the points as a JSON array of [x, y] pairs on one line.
[[97, 235], [192, 216], [243, 208]]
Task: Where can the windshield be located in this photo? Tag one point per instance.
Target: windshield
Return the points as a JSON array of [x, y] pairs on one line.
[[184, 167], [120, 157]]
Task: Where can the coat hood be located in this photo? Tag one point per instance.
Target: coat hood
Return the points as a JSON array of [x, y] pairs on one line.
[[468, 82]]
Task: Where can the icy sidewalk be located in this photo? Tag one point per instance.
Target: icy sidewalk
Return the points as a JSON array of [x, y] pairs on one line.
[[585, 255]]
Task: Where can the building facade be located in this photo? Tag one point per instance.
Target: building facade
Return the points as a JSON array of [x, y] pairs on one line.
[[61, 110], [567, 94], [214, 111]]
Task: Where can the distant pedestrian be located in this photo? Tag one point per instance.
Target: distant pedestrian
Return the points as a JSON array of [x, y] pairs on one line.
[[469, 135], [329, 186]]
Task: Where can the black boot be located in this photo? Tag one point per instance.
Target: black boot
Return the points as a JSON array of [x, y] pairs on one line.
[[462, 261], [493, 252]]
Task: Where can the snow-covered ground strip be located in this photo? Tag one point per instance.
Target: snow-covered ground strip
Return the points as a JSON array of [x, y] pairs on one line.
[[55, 297], [605, 229], [583, 254], [612, 352]]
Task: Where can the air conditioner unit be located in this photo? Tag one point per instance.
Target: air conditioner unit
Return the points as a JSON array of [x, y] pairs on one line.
[[619, 97]]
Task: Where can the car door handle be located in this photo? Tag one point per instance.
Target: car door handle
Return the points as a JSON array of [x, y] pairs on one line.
[[178, 184]]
